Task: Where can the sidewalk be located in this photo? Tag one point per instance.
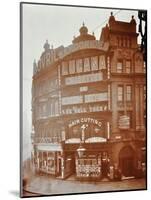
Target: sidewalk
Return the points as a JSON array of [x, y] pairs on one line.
[[51, 186]]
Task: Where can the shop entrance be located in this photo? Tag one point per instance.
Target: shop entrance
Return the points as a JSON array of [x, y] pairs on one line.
[[70, 168], [126, 161]]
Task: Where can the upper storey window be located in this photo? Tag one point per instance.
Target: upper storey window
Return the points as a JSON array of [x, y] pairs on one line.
[[79, 66], [64, 68], [124, 42], [128, 66], [86, 64], [102, 64], [119, 67], [128, 92], [120, 94], [94, 63], [71, 66]]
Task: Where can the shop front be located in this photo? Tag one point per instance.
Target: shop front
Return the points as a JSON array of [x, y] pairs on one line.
[[47, 159], [86, 154]]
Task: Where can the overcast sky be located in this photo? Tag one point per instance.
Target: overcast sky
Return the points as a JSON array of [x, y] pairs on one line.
[[58, 24]]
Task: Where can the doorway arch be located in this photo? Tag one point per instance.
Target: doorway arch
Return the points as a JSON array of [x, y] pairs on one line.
[[126, 161]]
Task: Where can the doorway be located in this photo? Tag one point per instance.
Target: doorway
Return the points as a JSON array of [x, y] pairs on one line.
[[126, 161]]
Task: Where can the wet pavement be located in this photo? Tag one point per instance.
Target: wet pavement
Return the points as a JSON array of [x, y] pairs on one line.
[[47, 185]]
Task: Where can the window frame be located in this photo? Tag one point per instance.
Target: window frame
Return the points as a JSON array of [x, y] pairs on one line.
[[120, 95]]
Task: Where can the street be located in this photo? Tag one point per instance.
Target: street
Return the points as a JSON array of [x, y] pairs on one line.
[[45, 185]]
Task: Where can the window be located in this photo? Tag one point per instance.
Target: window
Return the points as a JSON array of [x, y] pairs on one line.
[[94, 63], [119, 68], [64, 68], [120, 93], [79, 66], [128, 93], [72, 100], [102, 62], [86, 65], [96, 97], [128, 66], [71, 66]]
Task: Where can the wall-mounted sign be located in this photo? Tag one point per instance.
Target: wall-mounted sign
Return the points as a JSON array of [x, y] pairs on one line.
[[85, 120], [53, 55], [124, 122]]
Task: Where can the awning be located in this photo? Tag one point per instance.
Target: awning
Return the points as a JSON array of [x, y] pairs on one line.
[[73, 141], [49, 147], [95, 140]]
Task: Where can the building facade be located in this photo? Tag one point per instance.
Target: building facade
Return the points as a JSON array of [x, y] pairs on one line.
[[89, 105]]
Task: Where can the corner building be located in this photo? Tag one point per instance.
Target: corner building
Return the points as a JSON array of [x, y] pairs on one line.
[[88, 105]]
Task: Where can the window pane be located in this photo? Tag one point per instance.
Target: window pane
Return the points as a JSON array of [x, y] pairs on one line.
[[120, 93], [94, 63], [102, 62], [86, 65], [128, 66], [71, 66], [64, 68], [79, 66], [128, 92], [119, 67]]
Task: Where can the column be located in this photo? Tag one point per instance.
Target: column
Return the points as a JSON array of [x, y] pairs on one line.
[[108, 130]]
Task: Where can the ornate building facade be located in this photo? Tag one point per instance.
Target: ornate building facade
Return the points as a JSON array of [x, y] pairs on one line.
[[89, 105]]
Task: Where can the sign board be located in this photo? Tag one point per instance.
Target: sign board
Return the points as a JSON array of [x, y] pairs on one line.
[[124, 122], [85, 120]]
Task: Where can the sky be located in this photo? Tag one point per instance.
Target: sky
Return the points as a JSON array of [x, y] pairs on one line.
[[58, 25]]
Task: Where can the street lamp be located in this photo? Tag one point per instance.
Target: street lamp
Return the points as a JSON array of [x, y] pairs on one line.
[[81, 150]]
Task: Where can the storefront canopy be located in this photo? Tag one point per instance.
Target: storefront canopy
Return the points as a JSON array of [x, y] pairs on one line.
[[95, 140], [50, 147]]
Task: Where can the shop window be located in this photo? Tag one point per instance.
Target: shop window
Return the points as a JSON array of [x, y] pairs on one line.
[[64, 68], [128, 66], [94, 63], [86, 65], [79, 66], [119, 67], [128, 93], [120, 93], [71, 66]]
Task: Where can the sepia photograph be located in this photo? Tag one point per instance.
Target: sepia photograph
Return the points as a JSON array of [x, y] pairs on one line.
[[83, 86]]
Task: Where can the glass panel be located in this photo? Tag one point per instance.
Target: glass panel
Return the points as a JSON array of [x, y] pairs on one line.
[[86, 65], [79, 66], [128, 66], [64, 68], [120, 93], [71, 66], [94, 63], [102, 64], [119, 67], [128, 92]]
